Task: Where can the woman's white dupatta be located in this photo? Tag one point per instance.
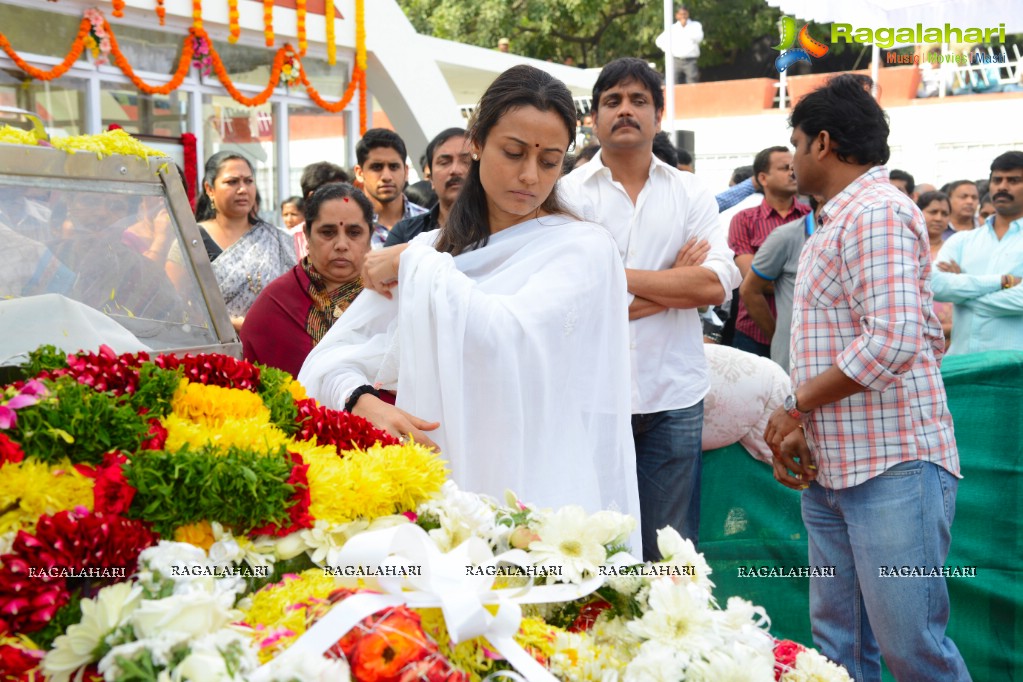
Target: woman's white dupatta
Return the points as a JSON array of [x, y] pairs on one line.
[[520, 350]]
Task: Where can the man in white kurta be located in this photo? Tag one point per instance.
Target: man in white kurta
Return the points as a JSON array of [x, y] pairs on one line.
[[652, 210]]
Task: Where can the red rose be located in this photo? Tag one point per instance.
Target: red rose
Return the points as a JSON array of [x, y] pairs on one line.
[[588, 615], [16, 663], [785, 652], [112, 492], [214, 370], [10, 452], [157, 436], [343, 430]]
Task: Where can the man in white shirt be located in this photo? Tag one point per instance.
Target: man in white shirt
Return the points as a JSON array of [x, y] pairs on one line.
[[676, 259], [686, 36]]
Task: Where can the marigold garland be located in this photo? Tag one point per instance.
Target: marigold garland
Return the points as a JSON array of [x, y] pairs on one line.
[[60, 69], [118, 8], [268, 22], [300, 15], [184, 64], [328, 14], [234, 29], [284, 54], [161, 12]]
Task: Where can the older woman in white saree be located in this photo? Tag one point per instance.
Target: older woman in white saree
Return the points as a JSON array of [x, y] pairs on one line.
[[506, 334]]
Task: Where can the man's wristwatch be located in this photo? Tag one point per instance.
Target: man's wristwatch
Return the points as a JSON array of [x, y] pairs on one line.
[[792, 409]]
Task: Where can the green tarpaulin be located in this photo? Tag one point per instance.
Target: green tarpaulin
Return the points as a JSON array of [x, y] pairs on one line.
[[750, 520]]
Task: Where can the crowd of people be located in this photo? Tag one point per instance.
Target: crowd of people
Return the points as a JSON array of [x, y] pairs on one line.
[[556, 316]]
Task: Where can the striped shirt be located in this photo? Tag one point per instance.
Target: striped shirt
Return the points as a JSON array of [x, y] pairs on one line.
[[863, 303], [747, 232], [380, 232]]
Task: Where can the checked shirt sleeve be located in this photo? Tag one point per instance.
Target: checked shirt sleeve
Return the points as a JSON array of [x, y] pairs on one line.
[[883, 282]]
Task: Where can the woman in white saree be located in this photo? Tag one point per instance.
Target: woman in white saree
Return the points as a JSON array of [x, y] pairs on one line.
[[505, 333]]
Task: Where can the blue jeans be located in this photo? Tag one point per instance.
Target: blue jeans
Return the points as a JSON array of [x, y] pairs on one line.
[[669, 462], [900, 518]]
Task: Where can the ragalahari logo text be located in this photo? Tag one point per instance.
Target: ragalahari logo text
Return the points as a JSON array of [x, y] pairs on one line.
[[796, 47]]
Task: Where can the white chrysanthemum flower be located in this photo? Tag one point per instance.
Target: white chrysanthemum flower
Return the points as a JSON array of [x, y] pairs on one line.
[[625, 584], [569, 540], [747, 626], [679, 551], [677, 616], [811, 666], [229, 550], [614, 526], [221, 656], [170, 562], [292, 667], [725, 666], [192, 614], [463, 515], [657, 662], [577, 658], [100, 616], [322, 540]]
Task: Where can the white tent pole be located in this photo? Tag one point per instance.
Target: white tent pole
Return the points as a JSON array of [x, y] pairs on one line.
[[668, 123]]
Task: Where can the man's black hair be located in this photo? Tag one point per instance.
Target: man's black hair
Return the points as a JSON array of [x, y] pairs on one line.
[[316, 175], [665, 150], [627, 69], [684, 157], [741, 173], [856, 123], [896, 174], [441, 137], [951, 187], [379, 137], [1007, 161], [762, 161]]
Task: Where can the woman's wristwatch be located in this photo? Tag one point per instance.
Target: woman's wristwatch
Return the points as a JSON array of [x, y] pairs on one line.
[[792, 409]]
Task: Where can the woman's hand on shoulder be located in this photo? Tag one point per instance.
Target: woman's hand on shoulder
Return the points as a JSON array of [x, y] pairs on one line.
[[394, 421], [380, 269]]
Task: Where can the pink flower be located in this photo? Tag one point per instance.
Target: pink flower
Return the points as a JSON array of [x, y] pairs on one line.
[[30, 394]]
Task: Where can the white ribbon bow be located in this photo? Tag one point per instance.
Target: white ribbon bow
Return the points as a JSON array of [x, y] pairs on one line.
[[445, 581]]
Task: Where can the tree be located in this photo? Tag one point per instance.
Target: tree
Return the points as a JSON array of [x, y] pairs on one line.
[[593, 32]]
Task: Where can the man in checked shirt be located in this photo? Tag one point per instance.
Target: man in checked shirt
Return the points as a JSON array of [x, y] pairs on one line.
[[866, 434]]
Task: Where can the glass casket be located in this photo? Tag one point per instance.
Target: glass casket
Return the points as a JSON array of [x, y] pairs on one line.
[[98, 249]]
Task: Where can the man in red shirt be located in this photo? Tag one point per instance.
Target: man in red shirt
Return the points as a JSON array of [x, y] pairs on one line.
[[772, 169]]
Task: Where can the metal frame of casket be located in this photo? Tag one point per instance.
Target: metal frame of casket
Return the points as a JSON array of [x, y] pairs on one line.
[[63, 240]]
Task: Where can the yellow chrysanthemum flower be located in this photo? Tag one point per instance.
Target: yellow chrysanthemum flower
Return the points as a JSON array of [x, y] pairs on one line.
[[32, 488], [254, 433], [416, 472], [213, 405], [273, 608], [12, 135], [371, 483], [106, 143], [199, 534], [297, 391], [536, 634], [309, 448]]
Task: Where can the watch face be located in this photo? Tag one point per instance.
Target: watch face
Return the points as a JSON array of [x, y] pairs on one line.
[[790, 402]]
